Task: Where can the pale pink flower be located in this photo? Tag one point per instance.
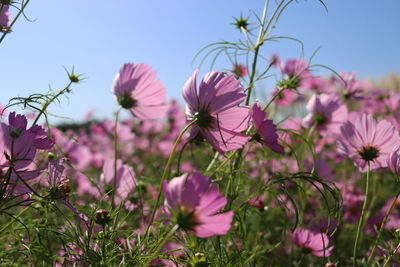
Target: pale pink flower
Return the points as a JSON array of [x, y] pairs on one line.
[[310, 242], [136, 89], [219, 120], [266, 129], [352, 87], [193, 202], [327, 113], [366, 141], [125, 180]]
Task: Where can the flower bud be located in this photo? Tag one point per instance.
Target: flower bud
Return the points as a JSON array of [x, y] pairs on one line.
[[102, 216]]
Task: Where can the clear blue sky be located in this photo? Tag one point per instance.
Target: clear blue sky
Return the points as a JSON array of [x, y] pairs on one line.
[[97, 37]]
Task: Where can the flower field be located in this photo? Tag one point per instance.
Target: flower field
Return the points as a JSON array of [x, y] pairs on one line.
[[308, 176]]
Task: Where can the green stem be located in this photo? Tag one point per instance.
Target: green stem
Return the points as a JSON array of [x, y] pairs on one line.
[[115, 157], [15, 19], [165, 175], [161, 246], [14, 219], [381, 229], [50, 101], [391, 255], [360, 222]]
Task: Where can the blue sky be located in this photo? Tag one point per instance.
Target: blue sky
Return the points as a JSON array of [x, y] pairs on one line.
[[97, 38]]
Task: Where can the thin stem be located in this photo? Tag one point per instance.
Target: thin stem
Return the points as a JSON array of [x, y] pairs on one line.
[[213, 161], [15, 19], [161, 246], [360, 222], [115, 156], [391, 255], [382, 226], [50, 101], [165, 175], [12, 221]]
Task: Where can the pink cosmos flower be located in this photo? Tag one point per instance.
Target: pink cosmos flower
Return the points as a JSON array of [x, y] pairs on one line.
[[136, 89], [5, 17], [393, 161], [366, 141], [284, 98], [125, 182], [352, 87], [193, 203], [327, 113], [219, 119], [18, 147], [295, 72], [318, 85], [314, 243], [266, 129]]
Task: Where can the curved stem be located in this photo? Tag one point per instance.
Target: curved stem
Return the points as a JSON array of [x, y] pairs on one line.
[[382, 226], [360, 222], [12, 221], [161, 246], [115, 157], [50, 101], [165, 175]]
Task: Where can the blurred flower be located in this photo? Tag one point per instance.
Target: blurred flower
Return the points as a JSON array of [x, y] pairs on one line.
[[218, 118], [284, 98], [136, 89], [295, 72], [352, 87], [5, 17], [393, 160], [266, 129], [314, 243], [239, 70], [366, 141], [327, 113], [193, 203]]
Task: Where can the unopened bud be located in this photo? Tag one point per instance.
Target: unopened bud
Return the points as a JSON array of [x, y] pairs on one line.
[[102, 216]]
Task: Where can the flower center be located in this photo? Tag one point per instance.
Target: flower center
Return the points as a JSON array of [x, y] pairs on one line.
[[368, 153], [292, 83], [186, 220], [126, 101], [319, 119], [203, 118]]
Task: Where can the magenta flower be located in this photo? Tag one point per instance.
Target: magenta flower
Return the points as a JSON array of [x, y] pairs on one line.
[[218, 118], [366, 141], [327, 113], [193, 203], [18, 147], [136, 89], [393, 161], [266, 129], [284, 98], [314, 243], [5, 17]]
